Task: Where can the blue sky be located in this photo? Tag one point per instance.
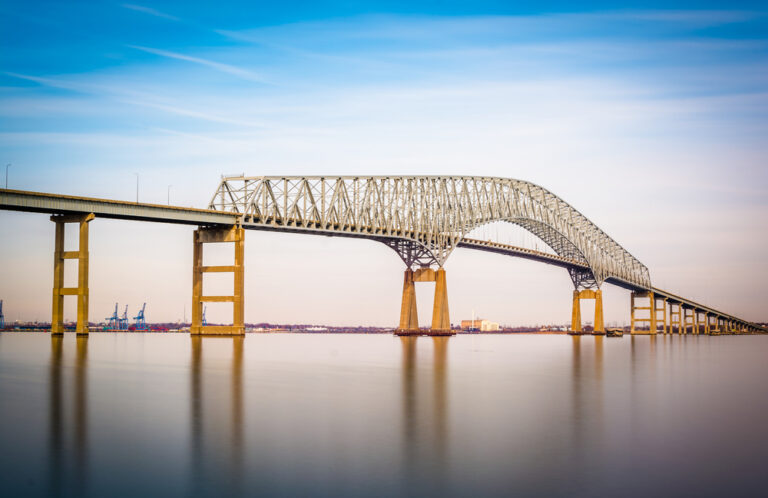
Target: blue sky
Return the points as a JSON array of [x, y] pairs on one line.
[[650, 118]]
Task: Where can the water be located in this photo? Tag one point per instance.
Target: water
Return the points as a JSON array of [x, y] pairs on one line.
[[376, 415]]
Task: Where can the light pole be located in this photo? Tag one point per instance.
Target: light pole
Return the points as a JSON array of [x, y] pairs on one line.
[[6, 175], [137, 187], [169, 194]]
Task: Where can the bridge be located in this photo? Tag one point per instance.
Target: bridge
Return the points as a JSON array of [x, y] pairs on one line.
[[422, 218]]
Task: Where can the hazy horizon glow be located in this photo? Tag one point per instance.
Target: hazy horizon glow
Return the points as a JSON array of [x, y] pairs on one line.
[[651, 121]]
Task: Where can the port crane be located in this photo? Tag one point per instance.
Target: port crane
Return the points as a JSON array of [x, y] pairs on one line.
[[113, 322], [123, 322], [139, 319], [205, 322]]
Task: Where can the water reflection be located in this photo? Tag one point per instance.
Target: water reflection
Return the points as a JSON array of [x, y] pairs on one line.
[[217, 440], [55, 429], [425, 417], [126, 415], [587, 401], [60, 465]]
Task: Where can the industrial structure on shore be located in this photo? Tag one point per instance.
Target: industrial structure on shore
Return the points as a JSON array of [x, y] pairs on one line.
[[115, 322], [479, 325], [423, 219]]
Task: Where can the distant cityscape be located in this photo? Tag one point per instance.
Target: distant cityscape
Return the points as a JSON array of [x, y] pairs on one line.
[[466, 326], [117, 323]]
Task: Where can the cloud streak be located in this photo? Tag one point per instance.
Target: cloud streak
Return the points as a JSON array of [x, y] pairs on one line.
[[218, 66], [150, 11]]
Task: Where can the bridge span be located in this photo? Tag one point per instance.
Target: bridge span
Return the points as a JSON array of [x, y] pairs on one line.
[[423, 219]]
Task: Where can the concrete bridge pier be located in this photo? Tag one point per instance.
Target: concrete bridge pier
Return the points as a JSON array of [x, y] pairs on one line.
[[662, 306], [675, 318], [653, 314], [409, 319], [718, 326], [81, 291], [597, 295], [409, 315], [205, 235], [688, 321]]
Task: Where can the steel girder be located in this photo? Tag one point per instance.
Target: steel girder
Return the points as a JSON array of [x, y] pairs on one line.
[[425, 217]]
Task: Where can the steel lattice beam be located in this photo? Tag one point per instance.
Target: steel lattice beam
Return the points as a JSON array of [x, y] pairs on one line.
[[432, 212]]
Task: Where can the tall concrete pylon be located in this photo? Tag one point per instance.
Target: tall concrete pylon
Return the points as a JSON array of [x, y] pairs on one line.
[[597, 295], [82, 257], [409, 321], [203, 235]]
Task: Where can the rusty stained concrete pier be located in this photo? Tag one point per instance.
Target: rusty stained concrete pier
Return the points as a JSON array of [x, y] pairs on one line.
[[409, 318]]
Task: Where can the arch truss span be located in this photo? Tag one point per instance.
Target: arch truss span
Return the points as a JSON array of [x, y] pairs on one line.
[[425, 217]]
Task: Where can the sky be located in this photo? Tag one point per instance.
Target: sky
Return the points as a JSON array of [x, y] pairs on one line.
[[650, 118]]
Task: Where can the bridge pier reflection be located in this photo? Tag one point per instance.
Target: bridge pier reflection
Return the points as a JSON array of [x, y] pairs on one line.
[[425, 419], [68, 468], [217, 442]]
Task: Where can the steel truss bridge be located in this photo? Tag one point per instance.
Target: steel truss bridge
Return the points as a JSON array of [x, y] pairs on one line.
[[422, 218]]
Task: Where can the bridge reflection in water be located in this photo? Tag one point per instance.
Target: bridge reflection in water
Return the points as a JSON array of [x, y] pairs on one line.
[[218, 436], [466, 415], [425, 417], [67, 419], [217, 423]]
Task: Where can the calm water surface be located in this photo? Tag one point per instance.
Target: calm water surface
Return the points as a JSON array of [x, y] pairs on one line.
[[376, 415]]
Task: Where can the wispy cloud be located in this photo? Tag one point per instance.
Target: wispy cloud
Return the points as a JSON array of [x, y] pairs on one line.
[[206, 116], [139, 99], [150, 11], [224, 68], [451, 29]]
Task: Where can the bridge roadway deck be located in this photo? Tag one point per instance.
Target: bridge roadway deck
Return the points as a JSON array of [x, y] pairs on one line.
[[563, 262], [40, 202]]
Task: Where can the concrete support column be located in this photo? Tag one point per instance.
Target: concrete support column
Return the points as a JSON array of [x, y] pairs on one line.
[[238, 320], [576, 314], [409, 317], [197, 285], [82, 280], [409, 321], [81, 291], [440, 316], [202, 236], [599, 326], [675, 318], [57, 315], [687, 320], [597, 295], [652, 313], [663, 310]]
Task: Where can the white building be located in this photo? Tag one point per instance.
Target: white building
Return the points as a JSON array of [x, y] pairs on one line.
[[479, 324]]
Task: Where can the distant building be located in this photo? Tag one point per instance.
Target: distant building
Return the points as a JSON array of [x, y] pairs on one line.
[[480, 325]]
